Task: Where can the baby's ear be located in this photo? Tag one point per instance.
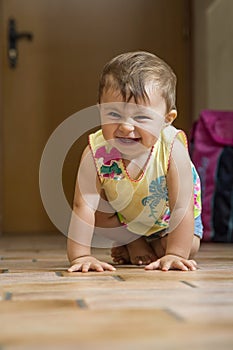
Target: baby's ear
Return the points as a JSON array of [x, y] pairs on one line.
[[171, 116]]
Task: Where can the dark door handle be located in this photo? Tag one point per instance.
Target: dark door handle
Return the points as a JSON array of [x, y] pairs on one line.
[[13, 37]]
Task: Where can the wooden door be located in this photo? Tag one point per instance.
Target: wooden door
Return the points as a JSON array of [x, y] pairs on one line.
[[57, 75]]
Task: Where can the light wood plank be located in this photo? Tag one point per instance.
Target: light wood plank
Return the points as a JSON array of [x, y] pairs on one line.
[[44, 306]]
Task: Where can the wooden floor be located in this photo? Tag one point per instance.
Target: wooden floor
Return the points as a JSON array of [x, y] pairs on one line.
[[44, 307]]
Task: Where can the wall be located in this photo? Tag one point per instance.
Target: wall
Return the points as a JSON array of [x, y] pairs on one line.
[[212, 84]]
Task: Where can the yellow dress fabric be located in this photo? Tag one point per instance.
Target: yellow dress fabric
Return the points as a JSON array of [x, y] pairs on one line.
[[143, 202]]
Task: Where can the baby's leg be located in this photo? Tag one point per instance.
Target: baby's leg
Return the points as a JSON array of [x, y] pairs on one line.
[[108, 225], [140, 252], [120, 255], [127, 247], [137, 252], [159, 246], [114, 231]]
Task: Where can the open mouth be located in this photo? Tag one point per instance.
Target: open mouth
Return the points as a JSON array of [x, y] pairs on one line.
[[126, 140]]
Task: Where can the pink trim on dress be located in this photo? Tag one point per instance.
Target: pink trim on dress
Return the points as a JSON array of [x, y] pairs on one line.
[[170, 153]]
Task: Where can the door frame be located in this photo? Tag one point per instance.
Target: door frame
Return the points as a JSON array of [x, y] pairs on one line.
[[1, 114]]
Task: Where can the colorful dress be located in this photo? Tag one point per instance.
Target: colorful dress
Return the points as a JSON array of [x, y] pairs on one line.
[[142, 203]]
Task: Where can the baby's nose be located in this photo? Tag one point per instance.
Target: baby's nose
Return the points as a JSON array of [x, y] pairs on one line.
[[126, 127]]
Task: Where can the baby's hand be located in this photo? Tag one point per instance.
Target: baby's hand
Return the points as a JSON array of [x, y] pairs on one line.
[[172, 262], [87, 263]]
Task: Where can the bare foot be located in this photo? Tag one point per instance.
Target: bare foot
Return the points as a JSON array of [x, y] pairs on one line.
[[140, 252], [120, 255]]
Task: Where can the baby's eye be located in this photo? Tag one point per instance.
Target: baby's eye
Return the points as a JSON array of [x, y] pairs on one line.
[[114, 115], [141, 118]]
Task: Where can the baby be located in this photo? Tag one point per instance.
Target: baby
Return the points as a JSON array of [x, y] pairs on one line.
[[136, 181]]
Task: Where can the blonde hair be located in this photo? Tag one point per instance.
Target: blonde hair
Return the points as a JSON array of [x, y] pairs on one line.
[[131, 72]]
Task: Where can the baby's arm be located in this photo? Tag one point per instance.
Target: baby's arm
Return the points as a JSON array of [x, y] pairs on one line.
[[181, 226], [82, 222]]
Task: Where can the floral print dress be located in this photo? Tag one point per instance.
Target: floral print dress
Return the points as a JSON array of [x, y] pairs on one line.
[[141, 203]]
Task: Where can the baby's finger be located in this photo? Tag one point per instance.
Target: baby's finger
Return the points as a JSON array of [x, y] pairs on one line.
[[107, 266], [166, 266], [97, 268], [191, 265], [73, 268], [153, 266], [180, 265], [86, 267], [193, 262]]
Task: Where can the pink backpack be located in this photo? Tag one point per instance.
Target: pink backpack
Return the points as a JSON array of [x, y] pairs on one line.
[[211, 148]]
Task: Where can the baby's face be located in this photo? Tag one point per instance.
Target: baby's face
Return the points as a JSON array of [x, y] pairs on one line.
[[131, 127]]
